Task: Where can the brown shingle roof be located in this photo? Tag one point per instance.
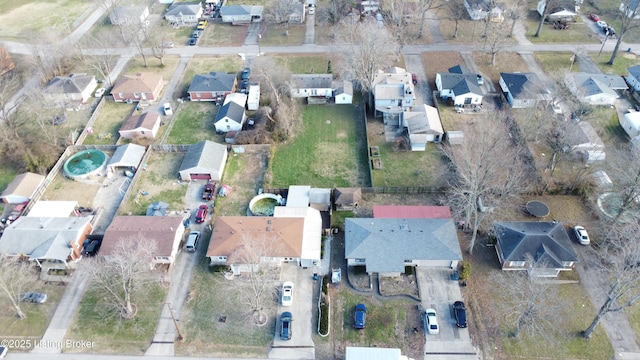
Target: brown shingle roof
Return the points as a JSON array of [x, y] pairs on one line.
[[140, 82], [230, 232], [161, 229], [145, 121], [23, 185]]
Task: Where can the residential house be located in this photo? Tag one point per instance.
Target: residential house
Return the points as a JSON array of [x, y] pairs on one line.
[[74, 88], [296, 16], [46, 239], [238, 98], [134, 14], [459, 86], [141, 87], [316, 88], [241, 14], [204, 161], [523, 90], [485, 10], [166, 232], [393, 93], [423, 126], [292, 235], [584, 140], [184, 13], [230, 117], [630, 8], [595, 89], [633, 79], [347, 199], [388, 245], [143, 126], [6, 63], [343, 93], [126, 157], [542, 248], [559, 10], [212, 86], [22, 188]]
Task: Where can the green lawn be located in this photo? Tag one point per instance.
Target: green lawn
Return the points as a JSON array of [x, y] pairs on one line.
[[306, 64], [111, 335], [7, 173], [556, 62], [621, 63], [578, 32], [205, 65], [38, 315], [329, 151], [194, 123], [274, 35], [54, 17], [109, 120], [214, 297]]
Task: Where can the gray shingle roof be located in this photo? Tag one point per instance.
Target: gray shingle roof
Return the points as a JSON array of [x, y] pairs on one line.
[[311, 81], [460, 83], [547, 242], [72, 84], [184, 8], [213, 81], [516, 82], [232, 111], [634, 71], [386, 243], [207, 154], [127, 155]]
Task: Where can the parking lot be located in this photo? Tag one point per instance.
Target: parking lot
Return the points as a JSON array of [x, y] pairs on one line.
[[439, 291]]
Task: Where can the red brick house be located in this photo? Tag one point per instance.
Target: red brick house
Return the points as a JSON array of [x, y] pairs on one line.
[[138, 87]]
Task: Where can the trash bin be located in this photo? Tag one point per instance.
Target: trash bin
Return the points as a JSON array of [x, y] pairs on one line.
[[315, 276], [629, 50]]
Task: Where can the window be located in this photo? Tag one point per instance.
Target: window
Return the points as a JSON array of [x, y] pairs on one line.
[[516, 263], [407, 261], [136, 95], [360, 260], [467, 101], [197, 94], [222, 258]]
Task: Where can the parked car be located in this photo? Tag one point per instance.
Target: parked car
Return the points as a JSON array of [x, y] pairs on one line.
[[196, 34], [202, 24], [193, 41], [594, 17], [581, 235], [480, 79], [609, 31], [99, 92], [460, 313], [360, 316], [33, 297], [287, 293], [312, 10], [285, 325], [167, 109], [3, 352], [192, 241], [246, 73], [431, 317], [601, 24], [201, 214], [90, 248]]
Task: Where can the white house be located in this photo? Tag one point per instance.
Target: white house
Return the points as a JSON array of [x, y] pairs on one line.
[[459, 87], [629, 8], [314, 87], [393, 94], [184, 13], [204, 161], [423, 126], [230, 117], [523, 90], [584, 140], [343, 94], [631, 124], [241, 14], [129, 15], [595, 89]]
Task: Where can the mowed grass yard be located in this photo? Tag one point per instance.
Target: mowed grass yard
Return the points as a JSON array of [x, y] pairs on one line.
[[108, 122], [59, 17], [110, 334], [329, 151], [212, 297], [194, 122]]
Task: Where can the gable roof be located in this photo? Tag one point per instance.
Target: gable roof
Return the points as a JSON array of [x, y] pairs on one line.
[[207, 154], [345, 87], [146, 121], [311, 81], [127, 155], [583, 133], [213, 81], [593, 84], [230, 232], [411, 212], [23, 185], [547, 242], [161, 229], [634, 70], [184, 9], [460, 83], [232, 111], [237, 10], [386, 243], [140, 82], [43, 237], [72, 84], [238, 98], [521, 85], [459, 69]]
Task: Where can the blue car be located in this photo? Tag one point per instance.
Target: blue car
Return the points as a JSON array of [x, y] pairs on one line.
[[285, 325], [360, 316]]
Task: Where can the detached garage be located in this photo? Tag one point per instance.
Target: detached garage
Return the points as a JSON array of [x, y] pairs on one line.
[[204, 161], [127, 157]]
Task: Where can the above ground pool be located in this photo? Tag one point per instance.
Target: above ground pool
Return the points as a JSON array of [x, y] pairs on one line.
[[263, 204], [85, 164]]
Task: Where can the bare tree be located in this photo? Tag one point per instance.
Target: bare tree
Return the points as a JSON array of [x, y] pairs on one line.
[[530, 304], [628, 21], [625, 169], [456, 12], [16, 277], [258, 274], [620, 255], [496, 39], [546, 6], [336, 10], [368, 49], [517, 10], [124, 274], [488, 172], [9, 84], [282, 13], [424, 7]]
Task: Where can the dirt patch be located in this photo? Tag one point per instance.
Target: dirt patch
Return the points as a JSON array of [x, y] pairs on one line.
[[63, 189]]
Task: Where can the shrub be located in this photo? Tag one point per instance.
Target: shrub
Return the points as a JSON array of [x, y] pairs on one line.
[[325, 284], [465, 270], [324, 318], [408, 270]]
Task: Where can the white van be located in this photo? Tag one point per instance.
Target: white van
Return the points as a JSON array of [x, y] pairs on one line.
[[192, 241]]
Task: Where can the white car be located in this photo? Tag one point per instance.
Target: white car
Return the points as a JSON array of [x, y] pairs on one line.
[[99, 92], [167, 109], [601, 24], [432, 321], [287, 293], [581, 235]]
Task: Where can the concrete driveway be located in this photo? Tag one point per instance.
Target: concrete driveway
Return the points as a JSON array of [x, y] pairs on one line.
[[301, 345], [439, 291]]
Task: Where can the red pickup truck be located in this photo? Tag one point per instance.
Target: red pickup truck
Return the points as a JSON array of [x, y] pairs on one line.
[[209, 190]]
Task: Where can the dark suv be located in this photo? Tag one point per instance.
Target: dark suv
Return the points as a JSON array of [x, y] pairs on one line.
[[460, 313], [285, 325], [360, 316]]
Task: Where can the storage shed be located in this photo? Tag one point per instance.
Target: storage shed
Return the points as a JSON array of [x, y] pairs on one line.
[[204, 160]]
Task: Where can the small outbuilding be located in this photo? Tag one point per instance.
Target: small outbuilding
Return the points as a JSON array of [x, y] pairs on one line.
[[347, 199], [21, 188], [204, 161], [126, 156], [143, 126]]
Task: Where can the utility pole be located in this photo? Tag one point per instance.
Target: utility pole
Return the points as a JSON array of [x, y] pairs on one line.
[[175, 322]]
